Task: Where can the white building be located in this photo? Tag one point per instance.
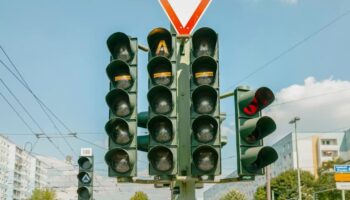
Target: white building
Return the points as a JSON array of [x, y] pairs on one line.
[[20, 172], [313, 149]]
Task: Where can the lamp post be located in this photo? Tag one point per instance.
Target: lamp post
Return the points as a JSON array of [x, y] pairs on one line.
[[294, 121]]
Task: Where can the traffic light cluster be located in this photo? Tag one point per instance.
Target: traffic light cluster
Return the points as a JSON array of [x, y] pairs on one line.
[[122, 102], [251, 129], [183, 79], [205, 105], [162, 112], [85, 178]]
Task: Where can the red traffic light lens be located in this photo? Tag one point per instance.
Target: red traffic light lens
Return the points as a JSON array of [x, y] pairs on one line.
[[262, 98]]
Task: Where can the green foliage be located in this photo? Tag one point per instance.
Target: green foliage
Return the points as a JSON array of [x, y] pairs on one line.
[[139, 196], [233, 195], [285, 186], [43, 194]]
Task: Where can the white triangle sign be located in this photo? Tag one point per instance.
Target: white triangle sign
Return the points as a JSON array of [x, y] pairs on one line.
[[184, 14], [86, 178]]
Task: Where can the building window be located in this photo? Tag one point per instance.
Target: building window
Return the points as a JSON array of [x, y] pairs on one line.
[[329, 153], [329, 141]]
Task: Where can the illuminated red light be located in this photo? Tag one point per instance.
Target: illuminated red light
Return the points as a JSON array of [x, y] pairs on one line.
[[252, 108]]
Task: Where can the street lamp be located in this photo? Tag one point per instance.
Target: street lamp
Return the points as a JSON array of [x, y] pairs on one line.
[[294, 121]]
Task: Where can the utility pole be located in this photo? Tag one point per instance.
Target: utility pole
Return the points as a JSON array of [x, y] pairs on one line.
[[294, 121], [268, 185]]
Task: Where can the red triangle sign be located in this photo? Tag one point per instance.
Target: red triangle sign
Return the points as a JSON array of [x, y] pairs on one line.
[[184, 14]]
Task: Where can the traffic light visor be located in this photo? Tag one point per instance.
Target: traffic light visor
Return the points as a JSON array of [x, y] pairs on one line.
[[118, 130], [119, 46], [254, 101], [118, 160], [160, 100], [119, 102], [204, 42], [257, 158], [205, 128], [205, 158], [159, 70], [204, 70], [119, 74], [161, 158], [256, 129], [160, 129], [160, 42], [84, 163], [204, 99]]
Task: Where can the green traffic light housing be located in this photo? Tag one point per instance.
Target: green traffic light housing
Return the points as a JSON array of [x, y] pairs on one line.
[[204, 42], [119, 46], [160, 42], [251, 129]]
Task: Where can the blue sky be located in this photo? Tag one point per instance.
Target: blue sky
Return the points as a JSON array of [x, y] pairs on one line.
[[60, 49]]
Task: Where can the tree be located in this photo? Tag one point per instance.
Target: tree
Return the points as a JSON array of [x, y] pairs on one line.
[[233, 195], [326, 181], [43, 194], [285, 186], [139, 196]]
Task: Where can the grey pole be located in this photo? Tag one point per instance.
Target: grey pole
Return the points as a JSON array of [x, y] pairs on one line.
[[343, 194], [268, 185], [294, 121]]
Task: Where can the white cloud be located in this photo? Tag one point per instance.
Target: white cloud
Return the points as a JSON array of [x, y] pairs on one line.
[[321, 105]]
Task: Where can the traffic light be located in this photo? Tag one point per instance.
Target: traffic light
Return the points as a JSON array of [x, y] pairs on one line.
[[251, 128], [85, 177], [205, 104], [162, 152], [122, 102]]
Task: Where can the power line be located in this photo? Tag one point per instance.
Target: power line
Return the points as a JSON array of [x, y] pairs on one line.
[[283, 53], [39, 101]]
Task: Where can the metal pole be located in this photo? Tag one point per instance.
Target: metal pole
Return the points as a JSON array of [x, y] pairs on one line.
[[294, 121], [268, 186], [273, 194], [343, 194]]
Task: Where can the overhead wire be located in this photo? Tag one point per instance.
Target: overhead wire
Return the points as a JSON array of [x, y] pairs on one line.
[[42, 105], [294, 46]]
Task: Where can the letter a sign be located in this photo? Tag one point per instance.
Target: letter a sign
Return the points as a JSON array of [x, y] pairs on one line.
[[184, 14]]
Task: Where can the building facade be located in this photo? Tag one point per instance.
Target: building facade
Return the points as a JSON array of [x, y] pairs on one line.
[[313, 150], [20, 172]]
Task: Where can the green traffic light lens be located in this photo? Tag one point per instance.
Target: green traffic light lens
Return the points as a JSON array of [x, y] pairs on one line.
[[85, 163], [204, 99], [161, 129], [255, 159], [205, 129], [119, 102], [160, 100], [120, 161], [161, 158], [205, 158]]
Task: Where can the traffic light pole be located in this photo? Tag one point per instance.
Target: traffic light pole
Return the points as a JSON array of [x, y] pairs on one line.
[[186, 186]]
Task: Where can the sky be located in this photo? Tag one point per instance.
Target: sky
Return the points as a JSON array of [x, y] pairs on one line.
[[300, 49]]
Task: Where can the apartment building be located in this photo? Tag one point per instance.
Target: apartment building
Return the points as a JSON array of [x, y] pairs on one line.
[[313, 149], [20, 172]]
